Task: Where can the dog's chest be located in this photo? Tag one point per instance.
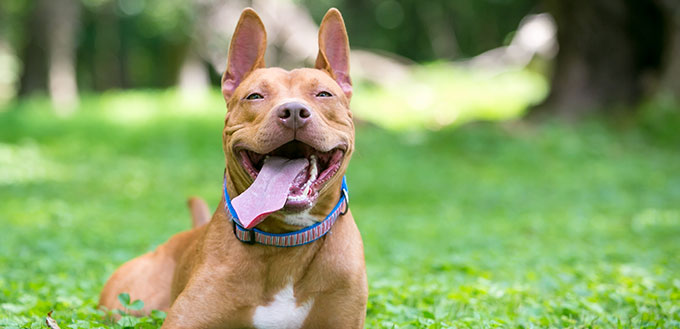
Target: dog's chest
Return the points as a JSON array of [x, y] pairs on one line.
[[283, 312]]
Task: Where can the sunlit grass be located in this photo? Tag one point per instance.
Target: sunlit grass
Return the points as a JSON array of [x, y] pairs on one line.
[[441, 95], [510, 225]]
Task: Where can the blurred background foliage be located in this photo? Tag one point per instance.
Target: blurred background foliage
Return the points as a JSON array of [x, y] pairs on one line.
[[429, 30], [567, 58], [141, 43]]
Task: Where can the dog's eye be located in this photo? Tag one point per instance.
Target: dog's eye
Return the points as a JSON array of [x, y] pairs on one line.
[[324, 94], [254, 96]]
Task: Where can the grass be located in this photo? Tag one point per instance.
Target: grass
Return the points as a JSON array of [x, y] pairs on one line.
[[440, 95], [487, 225]]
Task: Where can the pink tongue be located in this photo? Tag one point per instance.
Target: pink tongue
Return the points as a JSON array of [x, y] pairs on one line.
[[269, 191]]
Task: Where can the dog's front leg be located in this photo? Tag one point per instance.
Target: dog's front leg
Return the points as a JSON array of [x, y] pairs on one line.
[[205, 305], [342, 309]]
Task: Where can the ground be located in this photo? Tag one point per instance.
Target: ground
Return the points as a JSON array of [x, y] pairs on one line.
[[512, 224]]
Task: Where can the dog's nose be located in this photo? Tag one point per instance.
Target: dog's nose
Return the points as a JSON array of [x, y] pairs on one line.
[[293, 115]]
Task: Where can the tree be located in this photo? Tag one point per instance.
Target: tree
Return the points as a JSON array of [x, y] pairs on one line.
[[49, 51], [61, 24], [670, 80], [612, 54]]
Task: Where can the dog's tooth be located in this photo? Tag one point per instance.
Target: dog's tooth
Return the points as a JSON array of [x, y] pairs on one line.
[[295, 198], [315, 170], [307, 186]]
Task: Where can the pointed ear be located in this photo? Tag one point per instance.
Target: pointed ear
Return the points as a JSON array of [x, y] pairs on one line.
[[246, 51], [334, 50]]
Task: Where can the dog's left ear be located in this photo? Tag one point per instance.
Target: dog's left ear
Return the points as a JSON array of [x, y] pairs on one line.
[[334, 50]]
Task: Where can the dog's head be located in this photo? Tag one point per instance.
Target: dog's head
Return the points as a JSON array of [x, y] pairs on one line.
[[298, 114]]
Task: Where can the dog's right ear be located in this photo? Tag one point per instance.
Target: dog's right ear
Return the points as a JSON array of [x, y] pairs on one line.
[[246, 51], [334, 50]]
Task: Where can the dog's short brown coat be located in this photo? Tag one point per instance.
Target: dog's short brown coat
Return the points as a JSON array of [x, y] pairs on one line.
[[205, 277]]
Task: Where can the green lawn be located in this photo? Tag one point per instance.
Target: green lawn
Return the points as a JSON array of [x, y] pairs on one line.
[[486, 225]]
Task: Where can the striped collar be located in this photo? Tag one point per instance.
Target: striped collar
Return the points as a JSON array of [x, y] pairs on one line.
[[291, 239]]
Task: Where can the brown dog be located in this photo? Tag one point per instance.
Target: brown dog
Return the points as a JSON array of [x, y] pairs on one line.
[[287, 140]]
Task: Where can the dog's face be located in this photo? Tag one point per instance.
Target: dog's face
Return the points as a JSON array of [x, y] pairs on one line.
[[303, 113]]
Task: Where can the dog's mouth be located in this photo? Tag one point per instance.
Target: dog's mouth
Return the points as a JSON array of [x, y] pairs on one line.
[[306, 183]]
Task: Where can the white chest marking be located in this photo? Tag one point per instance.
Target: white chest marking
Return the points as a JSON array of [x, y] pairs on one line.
[[282, 312], [302, 218]]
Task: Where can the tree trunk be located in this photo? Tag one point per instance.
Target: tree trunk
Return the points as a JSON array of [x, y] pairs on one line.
[[8, 60], [609, 49], [194, 78], [32, 53], [107, 72], [670, 79], [61, 28], [48, 55]]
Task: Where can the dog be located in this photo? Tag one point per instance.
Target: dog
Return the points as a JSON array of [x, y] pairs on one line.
[[282, 249]]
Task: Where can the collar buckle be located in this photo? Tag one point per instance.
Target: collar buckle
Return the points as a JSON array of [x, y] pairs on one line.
[[252, 239], [346, 195]]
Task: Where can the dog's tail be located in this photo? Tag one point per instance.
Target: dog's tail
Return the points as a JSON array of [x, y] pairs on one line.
[[200, 213]]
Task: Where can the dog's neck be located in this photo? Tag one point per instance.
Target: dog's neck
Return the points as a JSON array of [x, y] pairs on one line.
[[283, 222]]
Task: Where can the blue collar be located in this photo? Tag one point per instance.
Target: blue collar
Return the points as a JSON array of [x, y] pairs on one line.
[[291, 239]]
